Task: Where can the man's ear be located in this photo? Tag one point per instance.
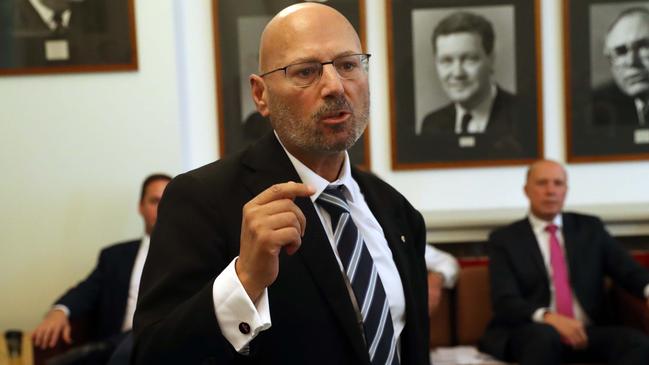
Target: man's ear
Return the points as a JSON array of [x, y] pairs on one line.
[[258, 90]]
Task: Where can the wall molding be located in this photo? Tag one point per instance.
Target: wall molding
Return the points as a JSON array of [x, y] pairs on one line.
[[453, 226]]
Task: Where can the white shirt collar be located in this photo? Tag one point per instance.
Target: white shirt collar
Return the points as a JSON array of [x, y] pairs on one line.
[[317, 182], [639, 107], [479, 114], [538, 224], [145, 241], [46, 14]]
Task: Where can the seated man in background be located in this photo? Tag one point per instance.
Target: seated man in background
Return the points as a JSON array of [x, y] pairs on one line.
[[442, 273], [547, 283], [109, 294]]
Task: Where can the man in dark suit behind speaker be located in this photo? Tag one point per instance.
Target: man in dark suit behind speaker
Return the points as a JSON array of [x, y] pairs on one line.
[[251, 261], [547, 284], [107, 297]]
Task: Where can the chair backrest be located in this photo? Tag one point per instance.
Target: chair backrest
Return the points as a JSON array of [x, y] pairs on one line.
[[441, 321], [473, 304]]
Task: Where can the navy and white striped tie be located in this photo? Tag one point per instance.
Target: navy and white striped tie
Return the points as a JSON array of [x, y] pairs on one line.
[[364, 279]]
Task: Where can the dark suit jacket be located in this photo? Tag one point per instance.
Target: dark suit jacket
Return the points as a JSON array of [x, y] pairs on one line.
[[98, 33], [101, 297], [500, 138], [610, 106], [519, 279], [313, 321]]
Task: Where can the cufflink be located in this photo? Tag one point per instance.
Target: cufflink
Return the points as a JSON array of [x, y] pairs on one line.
[[403, 238], [244, 328]]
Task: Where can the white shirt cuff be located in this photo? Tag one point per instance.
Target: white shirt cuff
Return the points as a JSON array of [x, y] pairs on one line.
[[236, 314], [538, 315], [646, 291], [443, 263], [62, 308]]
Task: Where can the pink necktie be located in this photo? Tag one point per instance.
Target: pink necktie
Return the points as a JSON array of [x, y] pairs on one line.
[[562, 292]]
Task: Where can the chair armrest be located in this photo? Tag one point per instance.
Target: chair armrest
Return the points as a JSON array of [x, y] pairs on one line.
[[630, 310], [80, 335], [440, 322]]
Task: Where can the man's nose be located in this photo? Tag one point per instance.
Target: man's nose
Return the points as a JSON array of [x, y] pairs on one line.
[[330, 81], [457, 68]]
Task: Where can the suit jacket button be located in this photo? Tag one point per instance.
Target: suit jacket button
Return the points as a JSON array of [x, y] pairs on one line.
[[244, 328]]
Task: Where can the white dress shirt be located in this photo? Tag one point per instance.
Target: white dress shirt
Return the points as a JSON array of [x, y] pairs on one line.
[[640, 106], [134, 286], [232, 304], [479, 114], [47, 14], [443, 263]]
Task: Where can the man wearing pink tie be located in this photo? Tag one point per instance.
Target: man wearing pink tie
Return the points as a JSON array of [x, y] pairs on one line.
[[547, 283]]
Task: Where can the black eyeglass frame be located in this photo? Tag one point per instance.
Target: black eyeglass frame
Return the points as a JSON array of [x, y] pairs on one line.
[[364, 61]]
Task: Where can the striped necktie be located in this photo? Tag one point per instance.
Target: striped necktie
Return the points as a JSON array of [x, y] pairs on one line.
[[363, 277]]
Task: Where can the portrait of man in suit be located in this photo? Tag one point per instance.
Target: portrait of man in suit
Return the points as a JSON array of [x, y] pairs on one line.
[[624, 101], [43, 33], [481, 114], [547, 274], [284, 253]]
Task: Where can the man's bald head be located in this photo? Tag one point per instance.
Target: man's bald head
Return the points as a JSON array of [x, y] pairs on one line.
[[543, 164], [546, 187], [296, 22]]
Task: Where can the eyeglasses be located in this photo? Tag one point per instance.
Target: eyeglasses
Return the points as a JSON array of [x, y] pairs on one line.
[[620, 54], [303, 74]]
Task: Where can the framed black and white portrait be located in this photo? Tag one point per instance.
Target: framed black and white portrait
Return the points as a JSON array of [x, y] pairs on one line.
[[607, 80], [53, 36], [465, 86], [237, 29]]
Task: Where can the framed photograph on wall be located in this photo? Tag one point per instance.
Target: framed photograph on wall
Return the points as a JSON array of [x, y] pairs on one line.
[[465, 83], [607, 80], [45, 36], [237, 28]]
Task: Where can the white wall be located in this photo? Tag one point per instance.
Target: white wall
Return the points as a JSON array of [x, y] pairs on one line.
[[73, 152], [74, 149]]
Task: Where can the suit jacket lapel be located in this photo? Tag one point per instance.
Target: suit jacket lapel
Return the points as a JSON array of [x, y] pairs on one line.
[[269, 165], [570, 242], [530, 247]]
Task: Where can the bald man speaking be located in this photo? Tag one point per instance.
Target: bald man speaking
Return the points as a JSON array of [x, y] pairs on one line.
[[284, 253]]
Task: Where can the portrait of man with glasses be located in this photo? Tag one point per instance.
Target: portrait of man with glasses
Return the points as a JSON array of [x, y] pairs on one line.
[[624, 100]]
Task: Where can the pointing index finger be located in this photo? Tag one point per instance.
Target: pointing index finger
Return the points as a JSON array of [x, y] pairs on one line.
[[287, 190]]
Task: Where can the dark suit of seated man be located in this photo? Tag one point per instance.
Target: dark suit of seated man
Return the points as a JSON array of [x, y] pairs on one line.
[[480, 111], [107, 297], [325, 263], [547, 284]]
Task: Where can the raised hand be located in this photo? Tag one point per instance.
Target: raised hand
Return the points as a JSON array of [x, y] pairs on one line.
[[271, 221]]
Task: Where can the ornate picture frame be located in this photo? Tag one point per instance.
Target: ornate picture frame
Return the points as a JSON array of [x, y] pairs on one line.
[[605, 89]]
